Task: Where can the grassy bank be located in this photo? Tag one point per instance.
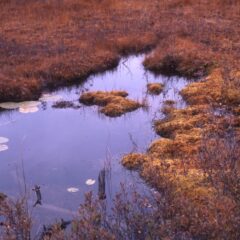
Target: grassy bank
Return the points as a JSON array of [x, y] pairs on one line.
[[46, 44]]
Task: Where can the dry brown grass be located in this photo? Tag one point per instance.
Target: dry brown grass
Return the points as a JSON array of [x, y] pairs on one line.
[[46, 44], [172, 165], [208, 91], [101, 98], [196, 36], [181, 57], [113, 103], [155, 88], [133, 161], [200, 174], [196, 42]]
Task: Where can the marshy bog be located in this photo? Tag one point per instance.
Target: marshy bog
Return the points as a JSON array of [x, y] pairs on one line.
[[119, 119]]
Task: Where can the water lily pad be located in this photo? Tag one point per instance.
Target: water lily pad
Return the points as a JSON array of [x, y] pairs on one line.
[[72, 189], [90, 182], [28, 109], [16, 105], [29, 104], [50, 98], [9, 105], [3, 147], [3, 140]]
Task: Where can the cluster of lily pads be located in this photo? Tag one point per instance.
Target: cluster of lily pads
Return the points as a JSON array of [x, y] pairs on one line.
[[23, 107], [3, 144], [29, 106], [88, 182]]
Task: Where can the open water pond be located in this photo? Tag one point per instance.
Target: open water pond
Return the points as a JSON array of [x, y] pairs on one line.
[[60, 149]]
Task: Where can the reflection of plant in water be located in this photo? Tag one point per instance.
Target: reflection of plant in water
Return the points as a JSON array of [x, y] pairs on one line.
[[133, 216]]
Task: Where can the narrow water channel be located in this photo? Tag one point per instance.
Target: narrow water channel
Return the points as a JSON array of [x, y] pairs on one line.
[[62, 148]]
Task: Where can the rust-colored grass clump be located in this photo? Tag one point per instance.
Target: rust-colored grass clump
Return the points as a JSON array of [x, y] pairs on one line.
[[181, 120], [155, 88], [133, 161], [181, 57], [213, 90], [114, 103]]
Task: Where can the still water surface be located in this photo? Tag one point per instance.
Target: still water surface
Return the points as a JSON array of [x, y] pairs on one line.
[[62, 148]]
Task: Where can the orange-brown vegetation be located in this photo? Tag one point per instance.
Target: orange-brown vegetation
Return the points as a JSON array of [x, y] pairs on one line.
[[169, 102], [213, 90], [199, 174], [179, 121], [46, 44], [134, 160], [155, 88], [197, 160], [181, 57], [195, 164], [101, 98], [113, 103]]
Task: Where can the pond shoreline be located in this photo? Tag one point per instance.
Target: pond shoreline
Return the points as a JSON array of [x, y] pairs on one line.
[[89, 128]]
